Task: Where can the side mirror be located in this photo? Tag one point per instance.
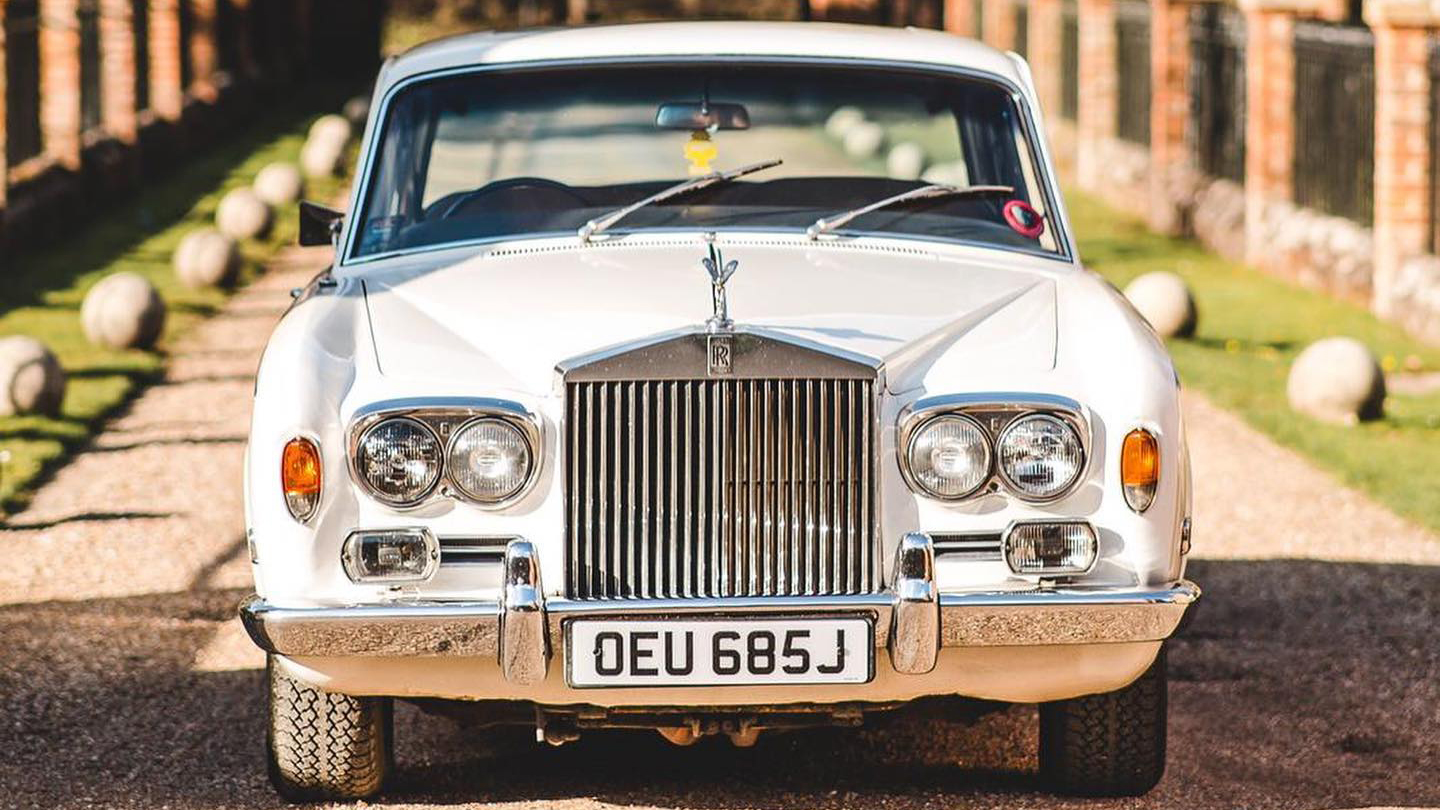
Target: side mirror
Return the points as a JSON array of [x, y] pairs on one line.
[[319, 225]]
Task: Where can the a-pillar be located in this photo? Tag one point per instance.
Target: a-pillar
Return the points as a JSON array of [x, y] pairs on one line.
[[1402, 143], [60, 81], [1096, 126]]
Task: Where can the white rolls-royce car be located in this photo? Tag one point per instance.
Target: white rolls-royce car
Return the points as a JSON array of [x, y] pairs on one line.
[[716, 379]]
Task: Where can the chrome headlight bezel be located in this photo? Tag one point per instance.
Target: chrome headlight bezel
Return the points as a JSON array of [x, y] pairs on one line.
[[995, 413], [445, 417]]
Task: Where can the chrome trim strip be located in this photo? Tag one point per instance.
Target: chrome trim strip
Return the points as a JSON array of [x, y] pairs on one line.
[[1026, 617]]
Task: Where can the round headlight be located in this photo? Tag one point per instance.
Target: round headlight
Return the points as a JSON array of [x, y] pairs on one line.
[[489, 460], [399, 460], [1040, 456], [949, 457]]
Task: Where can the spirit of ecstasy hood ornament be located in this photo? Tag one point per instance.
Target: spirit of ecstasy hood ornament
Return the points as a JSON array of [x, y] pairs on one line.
[[720, 272]]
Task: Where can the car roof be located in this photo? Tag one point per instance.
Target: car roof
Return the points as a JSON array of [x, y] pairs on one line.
[[720, 39]]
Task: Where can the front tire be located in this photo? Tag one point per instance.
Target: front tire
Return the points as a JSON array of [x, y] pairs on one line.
[[325, 746], [1111, 744]]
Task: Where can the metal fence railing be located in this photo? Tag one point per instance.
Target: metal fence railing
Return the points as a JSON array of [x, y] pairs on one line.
[[1217, 90], [22, 86], [1132, 68], [1069, 61], [1334, 169], [1021, 44], [87, 14], [140, 27]]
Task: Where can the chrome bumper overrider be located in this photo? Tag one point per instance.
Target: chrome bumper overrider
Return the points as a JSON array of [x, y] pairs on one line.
[[913, 620]]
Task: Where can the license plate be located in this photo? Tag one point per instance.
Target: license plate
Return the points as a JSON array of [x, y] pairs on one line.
[[718, 652]]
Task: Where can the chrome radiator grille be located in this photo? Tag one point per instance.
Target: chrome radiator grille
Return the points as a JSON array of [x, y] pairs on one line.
[[718, 488]]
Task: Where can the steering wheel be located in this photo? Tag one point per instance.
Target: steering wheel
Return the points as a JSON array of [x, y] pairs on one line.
[[505, 185]]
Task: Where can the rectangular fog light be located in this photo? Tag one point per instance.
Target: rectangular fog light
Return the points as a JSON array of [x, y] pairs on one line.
[[390, 555], [1051, 547]]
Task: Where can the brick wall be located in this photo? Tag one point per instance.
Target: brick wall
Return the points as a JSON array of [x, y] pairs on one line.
[[79, 170]]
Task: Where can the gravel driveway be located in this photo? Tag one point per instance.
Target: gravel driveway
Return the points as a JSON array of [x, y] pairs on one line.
[[1309, 678]]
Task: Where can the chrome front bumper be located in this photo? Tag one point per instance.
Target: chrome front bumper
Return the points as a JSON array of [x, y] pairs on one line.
[[912, 621]]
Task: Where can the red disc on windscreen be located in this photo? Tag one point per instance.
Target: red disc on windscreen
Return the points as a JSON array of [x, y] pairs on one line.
[[1024, 219]]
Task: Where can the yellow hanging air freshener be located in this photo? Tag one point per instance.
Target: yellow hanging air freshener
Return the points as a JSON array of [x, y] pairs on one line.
[[700, 151]]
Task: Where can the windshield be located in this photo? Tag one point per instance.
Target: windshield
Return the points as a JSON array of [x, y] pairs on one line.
[[507, 154]]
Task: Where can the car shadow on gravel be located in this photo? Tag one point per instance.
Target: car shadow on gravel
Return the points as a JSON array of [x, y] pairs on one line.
[[1297, 684]]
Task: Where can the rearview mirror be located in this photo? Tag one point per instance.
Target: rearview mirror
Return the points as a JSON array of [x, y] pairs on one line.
[[694, 115], [319, 225]]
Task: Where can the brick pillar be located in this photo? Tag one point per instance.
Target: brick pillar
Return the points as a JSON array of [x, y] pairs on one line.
[[117, 69], [204, 50], [959, 17], [1099, 88], [577, 12], [999, 24], [167, 94], [1169, 109], [60, 81], [1043, 53], [1269, 117], [1402, 139]]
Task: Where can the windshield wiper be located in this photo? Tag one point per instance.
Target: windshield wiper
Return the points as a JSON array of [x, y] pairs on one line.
[[828, 224], [599, 224]]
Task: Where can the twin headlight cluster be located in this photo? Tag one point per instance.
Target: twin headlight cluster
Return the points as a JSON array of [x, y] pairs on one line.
[[952, 455], [483, 458]]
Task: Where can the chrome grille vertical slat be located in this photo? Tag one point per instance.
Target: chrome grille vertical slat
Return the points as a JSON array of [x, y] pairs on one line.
[[647, 536], [839, 582], [719, 487]]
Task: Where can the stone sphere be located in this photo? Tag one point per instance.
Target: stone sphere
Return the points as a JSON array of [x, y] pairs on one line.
[[321, 158], [356, 110], [1165, 302], [207, 258], [840, 121], [1337, 380], [279, 184], [243, 215], [864, 140], [123, 311], [906, 161], [331, 129], [31, 379]]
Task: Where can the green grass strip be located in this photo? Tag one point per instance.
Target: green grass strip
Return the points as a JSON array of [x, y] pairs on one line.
[[1251, 327]]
